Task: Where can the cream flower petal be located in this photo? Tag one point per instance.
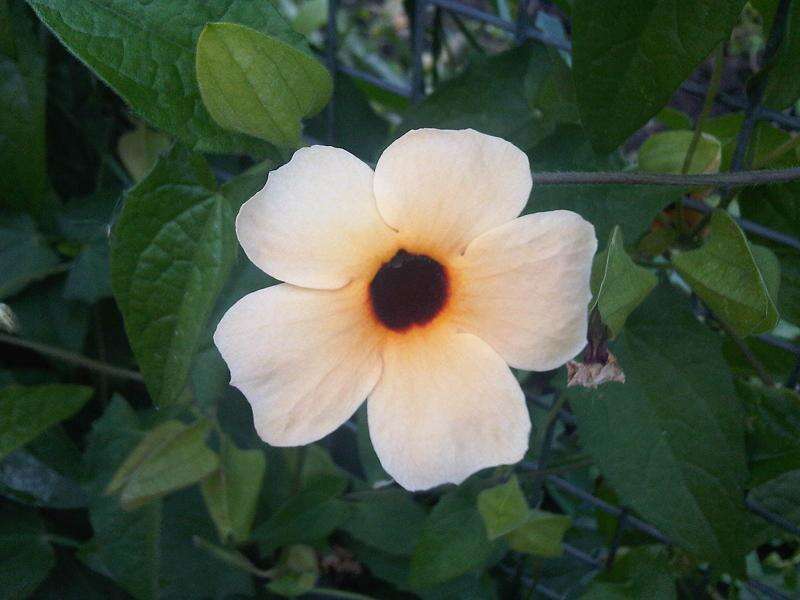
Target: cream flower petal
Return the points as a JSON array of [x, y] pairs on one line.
[[315, 223], [446, 406], [441, 189], [524, 288], [304, 359]]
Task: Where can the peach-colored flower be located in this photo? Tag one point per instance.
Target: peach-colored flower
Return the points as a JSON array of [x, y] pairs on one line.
[[414, 286]]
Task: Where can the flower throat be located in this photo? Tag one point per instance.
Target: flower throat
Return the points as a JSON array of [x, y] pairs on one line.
[[410, 289]]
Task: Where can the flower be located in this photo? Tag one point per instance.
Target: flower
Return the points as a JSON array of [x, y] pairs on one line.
[[415, 286]]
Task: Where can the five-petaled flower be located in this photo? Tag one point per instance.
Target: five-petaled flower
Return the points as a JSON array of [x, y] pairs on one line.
[[415, 286]]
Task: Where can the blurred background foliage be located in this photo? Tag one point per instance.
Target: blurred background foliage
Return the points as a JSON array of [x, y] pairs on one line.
[[129, 467]]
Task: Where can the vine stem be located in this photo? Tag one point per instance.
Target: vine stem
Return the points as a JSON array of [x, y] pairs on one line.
[[72, 358], [708, 104], [731, 179]]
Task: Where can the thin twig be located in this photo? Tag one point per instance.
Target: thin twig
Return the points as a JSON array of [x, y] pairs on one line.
[[734, 179], [72, 358]]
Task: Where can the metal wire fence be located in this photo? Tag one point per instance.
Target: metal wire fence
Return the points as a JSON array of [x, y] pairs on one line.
[[522, 30]]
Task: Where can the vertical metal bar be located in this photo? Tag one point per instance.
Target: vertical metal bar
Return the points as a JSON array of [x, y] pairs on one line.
[[331, 48], [417, 46]]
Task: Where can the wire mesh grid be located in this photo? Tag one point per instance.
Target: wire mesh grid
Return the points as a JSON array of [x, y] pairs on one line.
[[523, 30]]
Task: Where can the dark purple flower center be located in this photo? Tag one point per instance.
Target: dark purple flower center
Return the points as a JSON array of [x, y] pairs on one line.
[[410, 289]]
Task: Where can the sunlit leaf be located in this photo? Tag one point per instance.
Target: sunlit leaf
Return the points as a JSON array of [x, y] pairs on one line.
[[619, 285], [503, 508], [231, 493], [666, 152], [170, 457], [541, 535], [147, 55], [257, 84]]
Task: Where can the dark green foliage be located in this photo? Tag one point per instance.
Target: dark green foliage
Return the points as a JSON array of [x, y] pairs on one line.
[[130, 468]]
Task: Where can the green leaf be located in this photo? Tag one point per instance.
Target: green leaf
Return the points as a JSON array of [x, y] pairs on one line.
[[293, 584], [619, 285], [189, 572], [296, 572], [370, 463], [24, 253], [725, 128], [170, 457], [26, 412], [89, 278], [645, 435], [672, 118], [780, 495], [257, 84], [139, 150], [789, 293], [23, 185], [171, 252], [633, 208], [783, 85], [665, 152], [774, 437], [519, 95], [542, 535], [630, 56], [26, 557], [125, 545], [778, 362], [503, 508], [231, 493], [27, 479], [146, 53], [388, 520], [245, 185], [358, 128], [724, 273], [453, 540], [44, 315], [638, 573], [308, 516], [770, 268], [311, 15], [774, 206]]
